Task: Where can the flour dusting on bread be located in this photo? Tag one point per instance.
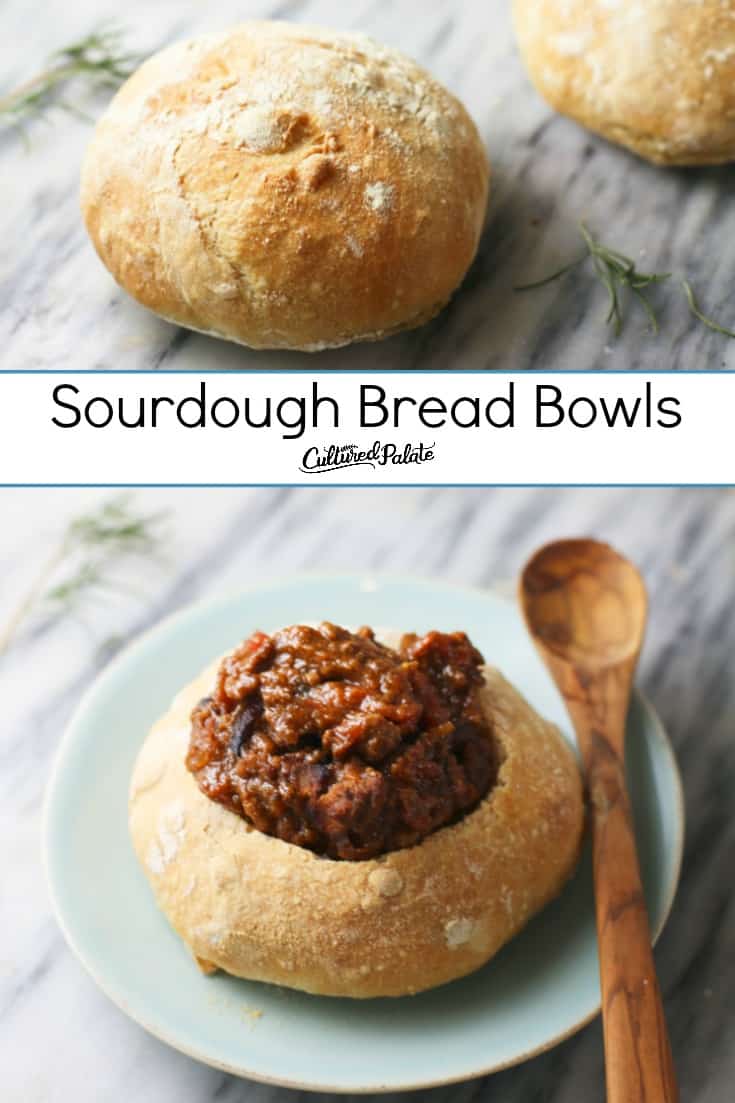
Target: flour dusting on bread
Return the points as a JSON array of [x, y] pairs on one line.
[[657, 76], [255, 160]]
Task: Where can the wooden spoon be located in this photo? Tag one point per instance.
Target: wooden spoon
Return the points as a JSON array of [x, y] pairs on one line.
[[585, 607]]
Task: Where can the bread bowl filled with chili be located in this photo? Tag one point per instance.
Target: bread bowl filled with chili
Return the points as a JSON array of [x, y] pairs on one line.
[[353, 814]]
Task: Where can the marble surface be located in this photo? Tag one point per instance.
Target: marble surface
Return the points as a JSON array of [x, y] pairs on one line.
[[61, 1039], [60, 309]]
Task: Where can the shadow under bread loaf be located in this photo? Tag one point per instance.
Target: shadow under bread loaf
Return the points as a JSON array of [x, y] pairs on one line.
[[411, 918], [656, 76], [286, 187]]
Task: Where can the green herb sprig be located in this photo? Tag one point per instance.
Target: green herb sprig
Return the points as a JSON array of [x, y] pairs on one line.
[[618, 273], [709, 322], [81, 563], [100, 59]]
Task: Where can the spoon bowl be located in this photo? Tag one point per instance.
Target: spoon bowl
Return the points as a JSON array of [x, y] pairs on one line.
[[585, 603]]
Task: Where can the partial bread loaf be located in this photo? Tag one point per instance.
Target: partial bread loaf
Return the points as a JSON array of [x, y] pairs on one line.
[[286, 187], [657, 76], [268, 910]]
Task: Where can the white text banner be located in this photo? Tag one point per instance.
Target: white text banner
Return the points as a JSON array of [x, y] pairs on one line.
[[338, 428]]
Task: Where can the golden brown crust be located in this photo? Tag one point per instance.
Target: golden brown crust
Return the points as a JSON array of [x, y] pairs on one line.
[[656, 76], [264, 909], [286, 187]]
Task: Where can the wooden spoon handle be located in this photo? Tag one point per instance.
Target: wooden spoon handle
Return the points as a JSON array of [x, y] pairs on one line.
[[639, 1065]]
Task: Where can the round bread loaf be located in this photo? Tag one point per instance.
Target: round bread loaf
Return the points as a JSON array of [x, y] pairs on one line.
[[657, 76], [258, 907], [286, 187]]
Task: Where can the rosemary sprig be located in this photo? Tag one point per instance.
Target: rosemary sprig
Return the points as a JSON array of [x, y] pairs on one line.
[[617, 273], [90, 546], [100, 59], [703, 317]]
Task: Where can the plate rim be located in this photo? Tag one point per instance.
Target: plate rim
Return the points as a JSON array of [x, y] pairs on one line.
[[269, 582]]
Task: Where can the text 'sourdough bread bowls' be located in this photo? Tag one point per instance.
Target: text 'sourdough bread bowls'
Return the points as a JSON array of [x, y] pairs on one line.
[[286, 187], [409, 919]]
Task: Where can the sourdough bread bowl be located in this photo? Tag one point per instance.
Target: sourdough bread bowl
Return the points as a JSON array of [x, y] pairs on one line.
[[266, 909], [656, 76], [286, 187]]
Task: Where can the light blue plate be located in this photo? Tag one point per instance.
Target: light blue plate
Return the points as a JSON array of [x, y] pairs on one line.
[[541, 988]]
